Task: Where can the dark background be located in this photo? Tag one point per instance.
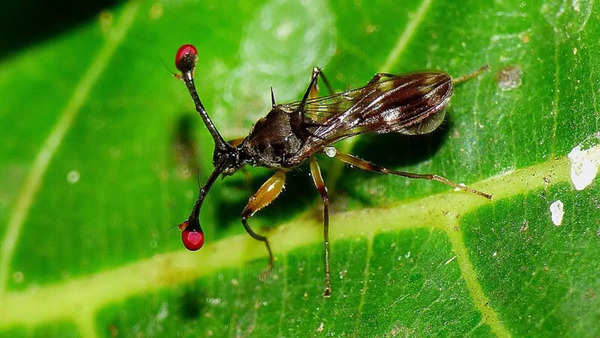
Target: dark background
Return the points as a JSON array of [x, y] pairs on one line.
[[28, 22]]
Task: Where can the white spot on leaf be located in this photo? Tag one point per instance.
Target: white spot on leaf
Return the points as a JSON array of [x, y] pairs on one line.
[[163, 312], [73, 176], [510, 77], [585, 159], [557, 211], [450, 260]]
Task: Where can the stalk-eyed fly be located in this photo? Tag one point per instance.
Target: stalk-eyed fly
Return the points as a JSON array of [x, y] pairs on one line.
[[294, 132]]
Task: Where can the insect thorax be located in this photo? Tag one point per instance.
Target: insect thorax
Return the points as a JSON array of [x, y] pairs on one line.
[[272, 141]]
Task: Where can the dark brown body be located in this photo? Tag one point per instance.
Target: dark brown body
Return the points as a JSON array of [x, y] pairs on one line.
[[289, 134], [273, 141], [292, 133]]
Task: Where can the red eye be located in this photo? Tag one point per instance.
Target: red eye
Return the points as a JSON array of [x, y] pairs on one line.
[[192, 239], [185, 57]]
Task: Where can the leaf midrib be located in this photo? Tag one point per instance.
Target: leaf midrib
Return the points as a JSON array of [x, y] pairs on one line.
[[443, 211], [64, 299]]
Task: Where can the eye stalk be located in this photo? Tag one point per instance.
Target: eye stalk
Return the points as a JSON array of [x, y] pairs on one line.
[[185, 61], [226, 158], [192, 235]]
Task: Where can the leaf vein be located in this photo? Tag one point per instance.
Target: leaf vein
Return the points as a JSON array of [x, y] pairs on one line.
[[47, 151], [63, 300]]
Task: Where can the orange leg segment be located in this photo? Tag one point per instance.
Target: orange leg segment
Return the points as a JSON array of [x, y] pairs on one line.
[[368, 166], [322, 189], [262, 198], [314, 88], [236, 141]]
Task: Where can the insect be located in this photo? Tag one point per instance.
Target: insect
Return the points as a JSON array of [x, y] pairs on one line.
[[293, 133]]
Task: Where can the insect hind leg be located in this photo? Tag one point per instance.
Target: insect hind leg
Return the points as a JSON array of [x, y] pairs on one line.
[[368, 166], [470, 76]]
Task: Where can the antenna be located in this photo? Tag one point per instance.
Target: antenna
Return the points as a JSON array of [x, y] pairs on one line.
[[185, 61]]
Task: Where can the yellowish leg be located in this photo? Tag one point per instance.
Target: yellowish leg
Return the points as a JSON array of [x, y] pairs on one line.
[[368, 166], [322, 189], [468, 77], [263, 197], [236, 141]]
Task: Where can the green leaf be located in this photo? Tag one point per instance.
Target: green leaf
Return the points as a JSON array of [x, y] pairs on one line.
[[95, 172]]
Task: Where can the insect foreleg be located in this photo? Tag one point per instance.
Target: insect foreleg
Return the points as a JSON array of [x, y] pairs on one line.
[[263, 197], [322, 189], [368, 166]]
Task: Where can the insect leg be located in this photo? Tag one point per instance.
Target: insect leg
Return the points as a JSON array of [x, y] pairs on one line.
[[322, 189], [379, 76], [263, 197], [312, 91], [368, 166], [298, 121], [468, 77], [236, 141], [320, 73]]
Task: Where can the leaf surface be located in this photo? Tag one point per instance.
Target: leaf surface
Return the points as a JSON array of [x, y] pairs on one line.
[[94, 175]]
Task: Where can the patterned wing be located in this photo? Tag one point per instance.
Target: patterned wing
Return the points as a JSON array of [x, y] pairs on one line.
[[406, 103], [320, 109]]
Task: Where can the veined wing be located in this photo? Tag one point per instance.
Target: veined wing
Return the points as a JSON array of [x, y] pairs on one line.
[[404, 103], [320, 109], [400, 100], [324, 108]]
